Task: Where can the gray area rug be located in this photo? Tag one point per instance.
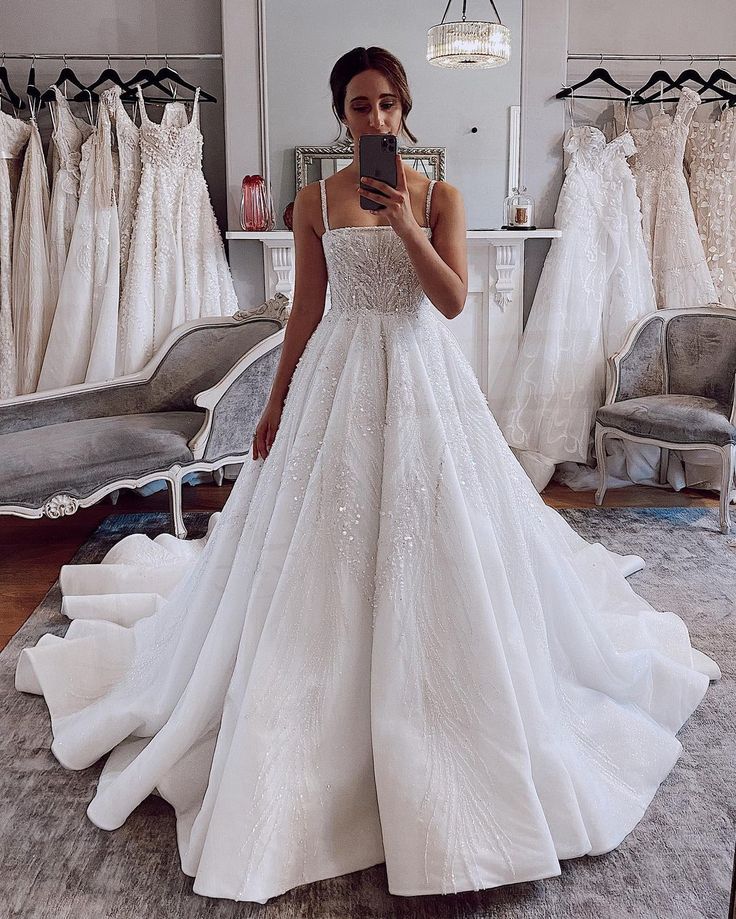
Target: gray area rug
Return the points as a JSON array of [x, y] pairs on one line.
[[676, 863]]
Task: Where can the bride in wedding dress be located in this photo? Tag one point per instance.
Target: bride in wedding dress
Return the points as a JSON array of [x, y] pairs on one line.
[[387, 647]]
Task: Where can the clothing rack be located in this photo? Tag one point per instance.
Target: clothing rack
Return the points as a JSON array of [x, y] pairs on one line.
[[156, 56], [574, 56], [636, 96]]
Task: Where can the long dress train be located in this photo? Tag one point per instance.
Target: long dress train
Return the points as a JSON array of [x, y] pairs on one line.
[[386, 648]]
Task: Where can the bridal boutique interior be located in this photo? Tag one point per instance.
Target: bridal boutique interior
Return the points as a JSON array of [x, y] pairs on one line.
[[600, 322]]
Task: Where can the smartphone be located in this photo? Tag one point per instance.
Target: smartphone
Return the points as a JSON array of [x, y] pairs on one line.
[[377, 161]]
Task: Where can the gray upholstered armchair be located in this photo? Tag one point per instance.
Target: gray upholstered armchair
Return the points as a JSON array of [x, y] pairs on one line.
[[672, 385], [193, 407]]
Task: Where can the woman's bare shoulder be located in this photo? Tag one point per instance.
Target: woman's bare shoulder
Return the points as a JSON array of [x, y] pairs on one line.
[[307, 206]]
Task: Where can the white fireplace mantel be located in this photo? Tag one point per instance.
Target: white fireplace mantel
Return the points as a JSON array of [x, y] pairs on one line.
[[489, 329]]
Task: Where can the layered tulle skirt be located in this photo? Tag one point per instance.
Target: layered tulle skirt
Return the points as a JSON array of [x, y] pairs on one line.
[[386, 648]]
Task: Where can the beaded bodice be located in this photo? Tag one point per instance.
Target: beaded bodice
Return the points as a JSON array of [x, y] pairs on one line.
[[368, 268], [175, 143]]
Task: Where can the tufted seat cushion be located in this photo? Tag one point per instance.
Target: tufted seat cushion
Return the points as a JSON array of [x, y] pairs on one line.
[[85, 455], [674, 418]]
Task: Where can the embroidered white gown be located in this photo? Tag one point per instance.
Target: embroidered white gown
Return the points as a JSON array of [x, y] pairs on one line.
[[178, 269], [68, 136], [711, 157], [83, 342], [681, 275], [14, 135], [386, 648], [595, 284]]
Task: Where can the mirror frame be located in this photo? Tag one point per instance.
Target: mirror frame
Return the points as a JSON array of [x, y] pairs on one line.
[[304, 156]]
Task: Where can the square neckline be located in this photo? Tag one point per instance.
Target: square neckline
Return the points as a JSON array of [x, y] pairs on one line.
[[387, 226]]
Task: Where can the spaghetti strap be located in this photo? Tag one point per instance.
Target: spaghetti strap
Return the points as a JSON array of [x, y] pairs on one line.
[[323, 198], [141, 104], [428, 205], [195, 108]]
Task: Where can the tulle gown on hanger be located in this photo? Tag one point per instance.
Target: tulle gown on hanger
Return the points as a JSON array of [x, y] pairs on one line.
[[595, 284], [178, 269], [68, 136], [14, 135], [32, 296], [386, 648], [83, 342]]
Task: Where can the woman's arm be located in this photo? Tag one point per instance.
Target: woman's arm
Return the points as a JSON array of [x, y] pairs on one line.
[[310, 287], [442, 264]]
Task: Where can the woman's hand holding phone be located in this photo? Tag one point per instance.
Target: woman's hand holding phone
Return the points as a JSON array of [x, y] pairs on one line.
[[396, 203]]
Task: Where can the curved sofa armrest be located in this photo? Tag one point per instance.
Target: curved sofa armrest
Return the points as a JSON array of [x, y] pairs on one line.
[[156, 387], [234, 405], [639, 368]]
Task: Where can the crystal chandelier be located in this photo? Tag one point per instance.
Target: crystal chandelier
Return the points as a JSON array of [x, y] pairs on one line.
[[469, 44]]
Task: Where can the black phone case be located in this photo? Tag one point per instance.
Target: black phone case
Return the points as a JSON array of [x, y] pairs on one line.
[[377, 161]]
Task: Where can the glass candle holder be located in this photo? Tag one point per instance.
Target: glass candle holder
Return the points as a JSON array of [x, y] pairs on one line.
[[256, 205], [519, 211]]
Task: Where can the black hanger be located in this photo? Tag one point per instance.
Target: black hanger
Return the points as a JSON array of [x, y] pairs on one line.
[[598, 74], [687, 76], [108, 75], [10, 95], [32, 91], [168, 73], [146, 78], [721, 75], [659, 76], [67, 75]]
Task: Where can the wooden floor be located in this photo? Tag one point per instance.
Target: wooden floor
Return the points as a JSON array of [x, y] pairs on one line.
[[33, 551]]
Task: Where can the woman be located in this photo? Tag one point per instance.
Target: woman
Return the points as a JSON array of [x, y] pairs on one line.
[[387, 648]]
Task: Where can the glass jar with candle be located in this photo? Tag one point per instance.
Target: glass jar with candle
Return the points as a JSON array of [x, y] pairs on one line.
[[519, 211]]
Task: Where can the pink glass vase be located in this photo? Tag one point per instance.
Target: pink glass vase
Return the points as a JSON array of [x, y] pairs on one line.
[[256, 205]]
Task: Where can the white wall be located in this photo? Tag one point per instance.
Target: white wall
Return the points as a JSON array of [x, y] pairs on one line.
[[125, 27], [305, 40]]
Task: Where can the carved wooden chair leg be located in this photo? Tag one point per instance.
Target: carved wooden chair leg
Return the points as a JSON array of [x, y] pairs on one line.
[[664, 462], [218, 475], [175, 507], [600, 453], [728, 456]]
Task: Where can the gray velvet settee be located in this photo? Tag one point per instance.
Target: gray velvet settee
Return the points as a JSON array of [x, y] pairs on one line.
[[193, 407], [672, 385]]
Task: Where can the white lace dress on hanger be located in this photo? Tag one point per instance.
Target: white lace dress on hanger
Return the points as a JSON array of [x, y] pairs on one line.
[[387, 648], [66, 142], [83, 341], [596, 282], [33, 302], [711, 158], [178, 269], [681, 275], [14, 135]]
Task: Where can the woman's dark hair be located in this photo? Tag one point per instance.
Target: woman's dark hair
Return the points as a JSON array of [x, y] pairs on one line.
[[360, 59]]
